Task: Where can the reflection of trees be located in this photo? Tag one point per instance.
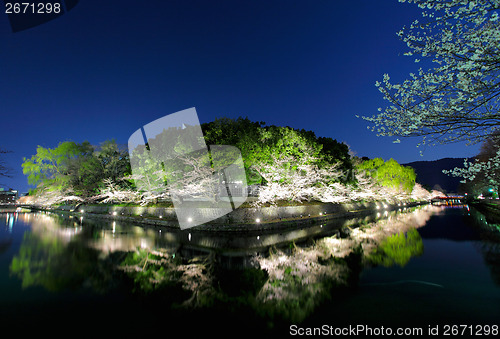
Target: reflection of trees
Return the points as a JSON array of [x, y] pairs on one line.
[[285, 284], [491, 253], [490, 244], [50, 257], [186, 282], [398, 249], [55, 266], [300, 281], [36, 262], [282, 286]]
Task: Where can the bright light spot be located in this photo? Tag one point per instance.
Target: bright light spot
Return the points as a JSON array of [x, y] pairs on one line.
[[257, 220], [320, 213], [378, 207], [258, 237], [82, 211], [161, 216], [114, 213], [189, 236], [190, 219]]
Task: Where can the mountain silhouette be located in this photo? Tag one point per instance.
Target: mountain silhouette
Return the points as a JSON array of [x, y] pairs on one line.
[[430, 173]]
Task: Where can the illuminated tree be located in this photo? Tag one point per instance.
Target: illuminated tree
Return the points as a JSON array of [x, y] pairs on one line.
[[50, 168], [389, 174], [483, 173], [113, 193], [113, 160], [176, 163], [75, 169], [457, 99], [260, 144], [290, 178]]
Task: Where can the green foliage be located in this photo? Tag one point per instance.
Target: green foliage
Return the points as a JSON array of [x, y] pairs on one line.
[[263, 145], [390, 173], [78, 168], [97, 164], [51, 167], [398, 249], [334, 151], [149, 275], [49, 262], [278, 154]]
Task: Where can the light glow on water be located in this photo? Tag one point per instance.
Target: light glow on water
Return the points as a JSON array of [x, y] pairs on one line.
[[430, 263]]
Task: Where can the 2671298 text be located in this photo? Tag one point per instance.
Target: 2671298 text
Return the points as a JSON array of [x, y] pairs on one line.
[[33, 8]]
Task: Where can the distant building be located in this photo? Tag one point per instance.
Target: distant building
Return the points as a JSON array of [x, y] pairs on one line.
[[8, 197]]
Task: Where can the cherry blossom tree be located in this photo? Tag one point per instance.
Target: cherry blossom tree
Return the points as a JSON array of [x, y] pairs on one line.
[[290, 178], [457, 99]]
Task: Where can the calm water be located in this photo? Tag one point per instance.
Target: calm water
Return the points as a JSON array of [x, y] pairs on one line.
[[419, 267]]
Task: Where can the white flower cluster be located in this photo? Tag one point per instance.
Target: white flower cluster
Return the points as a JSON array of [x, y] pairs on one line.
[[457, 100]]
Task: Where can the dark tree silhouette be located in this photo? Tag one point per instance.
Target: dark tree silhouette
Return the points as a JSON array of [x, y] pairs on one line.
[[5, 171]]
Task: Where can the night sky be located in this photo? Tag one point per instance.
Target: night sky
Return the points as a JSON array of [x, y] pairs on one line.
[[106, 68]]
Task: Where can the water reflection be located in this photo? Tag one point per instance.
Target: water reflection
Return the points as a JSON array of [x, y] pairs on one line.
[[50, 257], [489, 245], [277, 276], [302, 280], [397, 249]]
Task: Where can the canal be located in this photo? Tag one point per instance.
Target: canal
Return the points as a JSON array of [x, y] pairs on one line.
[[412, 267]]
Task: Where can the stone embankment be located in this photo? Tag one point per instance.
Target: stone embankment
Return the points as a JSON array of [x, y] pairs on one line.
[[240, 219]]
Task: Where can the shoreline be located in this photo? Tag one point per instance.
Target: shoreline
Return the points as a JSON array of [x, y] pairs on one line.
[[241, 219], [490, 207]]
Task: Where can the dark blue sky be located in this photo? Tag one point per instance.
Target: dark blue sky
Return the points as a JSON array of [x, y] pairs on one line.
[[106, 68]]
